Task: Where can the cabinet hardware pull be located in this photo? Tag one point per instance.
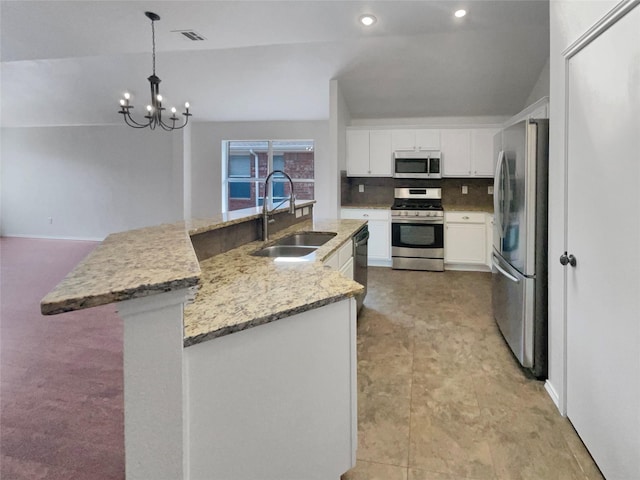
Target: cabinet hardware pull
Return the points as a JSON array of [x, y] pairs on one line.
[[465, 218]]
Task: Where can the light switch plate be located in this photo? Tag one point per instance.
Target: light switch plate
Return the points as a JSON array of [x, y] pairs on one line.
[[465, 190], [361, 188], [490, 189]]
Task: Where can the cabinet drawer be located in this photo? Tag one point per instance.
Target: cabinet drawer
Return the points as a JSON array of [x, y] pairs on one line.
[[364, 214], [464, 217]]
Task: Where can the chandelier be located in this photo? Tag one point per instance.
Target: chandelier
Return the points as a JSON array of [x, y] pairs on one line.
[[155, 109]]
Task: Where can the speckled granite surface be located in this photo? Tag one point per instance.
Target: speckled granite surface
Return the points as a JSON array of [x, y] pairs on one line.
[[383, 206], [127, 265], [236, 290], [240, 291], [466, 208], [138, 263], [202, 225]]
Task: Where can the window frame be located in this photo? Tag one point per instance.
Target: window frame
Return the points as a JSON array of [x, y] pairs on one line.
[[257, 180]]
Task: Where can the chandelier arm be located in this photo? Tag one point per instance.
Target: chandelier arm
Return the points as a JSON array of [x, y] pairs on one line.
[[132, 123]]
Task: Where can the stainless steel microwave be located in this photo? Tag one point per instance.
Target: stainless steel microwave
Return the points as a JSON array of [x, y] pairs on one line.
[[420, 164]]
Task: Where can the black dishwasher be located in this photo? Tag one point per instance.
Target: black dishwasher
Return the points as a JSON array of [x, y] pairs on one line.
[[360, 259]]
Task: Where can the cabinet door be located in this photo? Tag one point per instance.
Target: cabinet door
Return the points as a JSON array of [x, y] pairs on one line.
[[465, 243], [357, 153], [403, 140], [347, 269], [428, 139], [379, 240], [456, 152], [380, 153], [483, 160]]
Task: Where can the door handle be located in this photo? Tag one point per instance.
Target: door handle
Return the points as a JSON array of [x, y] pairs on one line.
[[505, 273], [571, 260]]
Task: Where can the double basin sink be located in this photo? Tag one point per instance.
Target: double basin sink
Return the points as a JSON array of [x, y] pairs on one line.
[[296, 245]]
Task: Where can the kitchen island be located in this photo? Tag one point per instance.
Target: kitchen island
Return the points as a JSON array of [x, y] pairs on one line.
[[236, 366]]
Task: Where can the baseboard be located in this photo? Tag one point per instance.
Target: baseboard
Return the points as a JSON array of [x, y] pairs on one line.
[[467, 267], [554, 396], [53, 237], [378, 263]]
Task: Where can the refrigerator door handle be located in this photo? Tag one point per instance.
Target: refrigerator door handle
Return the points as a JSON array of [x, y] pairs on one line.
[[507, 209], [504, 272], [497, 199]]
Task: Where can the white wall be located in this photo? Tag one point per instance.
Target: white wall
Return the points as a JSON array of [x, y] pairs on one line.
[[569, 20], [91, 181], [206, 159], [434, 122], [541, 88], [339, 119]]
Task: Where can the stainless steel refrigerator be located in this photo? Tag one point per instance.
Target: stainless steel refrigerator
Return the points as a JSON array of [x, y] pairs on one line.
[[519, 272]]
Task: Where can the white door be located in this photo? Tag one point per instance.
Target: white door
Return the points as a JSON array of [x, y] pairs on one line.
[[603, 233]]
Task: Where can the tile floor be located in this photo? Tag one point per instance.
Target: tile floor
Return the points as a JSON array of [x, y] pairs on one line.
[[440, 395]]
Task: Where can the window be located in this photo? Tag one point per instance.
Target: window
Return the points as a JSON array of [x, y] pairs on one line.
[[248, 163]]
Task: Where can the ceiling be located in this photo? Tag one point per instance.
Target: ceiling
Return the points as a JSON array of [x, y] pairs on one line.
[[68, 62]]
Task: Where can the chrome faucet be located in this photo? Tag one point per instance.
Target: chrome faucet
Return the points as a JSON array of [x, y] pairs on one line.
[[265, 210]]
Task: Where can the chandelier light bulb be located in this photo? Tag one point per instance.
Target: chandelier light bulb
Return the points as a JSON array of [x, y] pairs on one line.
[[122, 102], [173, 109], [460, 13], [127, 96], [159, 97], [186, 104], [149, 108]]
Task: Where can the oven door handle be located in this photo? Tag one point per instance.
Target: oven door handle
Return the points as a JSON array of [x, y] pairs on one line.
[[432, 221]]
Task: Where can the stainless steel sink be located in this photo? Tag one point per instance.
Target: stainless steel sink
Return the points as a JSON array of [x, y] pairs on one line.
[[284, 251], [307, 239]]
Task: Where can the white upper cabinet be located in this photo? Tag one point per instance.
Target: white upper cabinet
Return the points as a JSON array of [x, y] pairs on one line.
[[369, 153], [456, 152], [380, 153], [483, 159], [468, 152], [416, 139]]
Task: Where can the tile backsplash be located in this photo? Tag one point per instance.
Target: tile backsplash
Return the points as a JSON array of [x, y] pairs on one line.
[[379, 190]]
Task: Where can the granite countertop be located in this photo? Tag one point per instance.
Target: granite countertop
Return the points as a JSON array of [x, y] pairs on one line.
[[236, 290], [368, 205], [240, 291], [127, 265], [140, 262], [466, 208]]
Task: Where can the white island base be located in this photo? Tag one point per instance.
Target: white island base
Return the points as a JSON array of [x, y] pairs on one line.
[[276, 401]]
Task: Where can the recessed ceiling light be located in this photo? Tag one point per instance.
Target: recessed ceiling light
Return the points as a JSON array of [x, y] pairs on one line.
[[460, 13], [368, 20]]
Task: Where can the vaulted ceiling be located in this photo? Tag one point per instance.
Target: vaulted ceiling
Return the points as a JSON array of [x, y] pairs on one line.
[[68, 62]]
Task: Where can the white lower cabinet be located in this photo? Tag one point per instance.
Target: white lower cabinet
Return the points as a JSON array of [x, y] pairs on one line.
[[379, 222], [489, 223], [342, 260], [465, 241]]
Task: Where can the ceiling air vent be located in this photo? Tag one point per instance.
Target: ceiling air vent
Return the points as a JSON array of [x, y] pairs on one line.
[[191, 35]]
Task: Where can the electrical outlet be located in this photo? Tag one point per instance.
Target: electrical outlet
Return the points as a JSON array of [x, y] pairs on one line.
[[465, 190], [490, 189], [361, 188]]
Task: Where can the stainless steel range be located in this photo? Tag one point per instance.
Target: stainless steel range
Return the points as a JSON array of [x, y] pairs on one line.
[[417, 229]]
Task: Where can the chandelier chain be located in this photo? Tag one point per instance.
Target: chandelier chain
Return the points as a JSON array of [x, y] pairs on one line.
[[153, 43]]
